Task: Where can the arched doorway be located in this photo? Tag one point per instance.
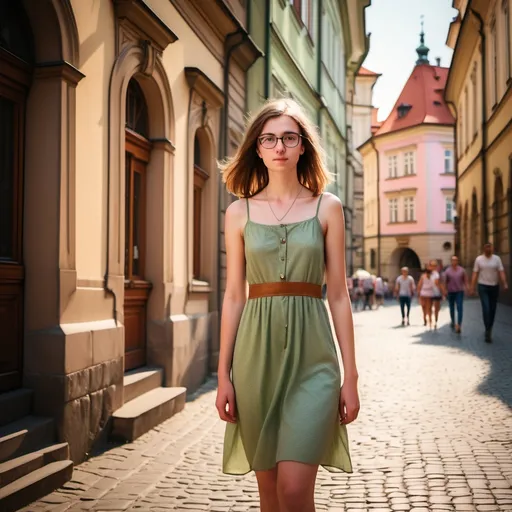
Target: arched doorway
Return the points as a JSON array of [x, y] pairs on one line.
[[405, 257], [137, 287], [16, 65]]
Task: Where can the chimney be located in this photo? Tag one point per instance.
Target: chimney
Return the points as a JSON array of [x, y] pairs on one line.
[[438, 61]]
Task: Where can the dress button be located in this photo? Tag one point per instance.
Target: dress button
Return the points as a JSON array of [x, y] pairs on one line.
[[282, 258], [283, 240], [281, 276]]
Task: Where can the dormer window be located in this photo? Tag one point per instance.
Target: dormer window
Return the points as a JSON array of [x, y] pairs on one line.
[[402, 109]]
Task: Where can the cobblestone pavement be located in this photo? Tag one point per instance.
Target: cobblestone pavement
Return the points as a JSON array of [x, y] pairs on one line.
[[434, 434]]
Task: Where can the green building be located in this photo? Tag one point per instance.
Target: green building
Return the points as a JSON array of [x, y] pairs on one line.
[[312, 51]]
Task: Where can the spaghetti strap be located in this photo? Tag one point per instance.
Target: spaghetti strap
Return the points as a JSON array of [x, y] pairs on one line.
[[318, 205], [247, 203]]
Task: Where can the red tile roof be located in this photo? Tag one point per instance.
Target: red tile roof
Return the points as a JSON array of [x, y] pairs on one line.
[[422, 101], [366, 72]]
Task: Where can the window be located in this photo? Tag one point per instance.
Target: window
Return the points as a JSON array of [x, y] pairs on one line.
[[200, 178], [373, 258], [494, 62], [448, 161], [466, 109], [508, 35], [307, 15], [137, 156], [393, 166], [409, 163], [450, 208], [393, 210], [475, 99], [409, 209], [460, 132]]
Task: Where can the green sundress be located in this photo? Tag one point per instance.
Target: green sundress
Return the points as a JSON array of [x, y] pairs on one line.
[[285, 369]]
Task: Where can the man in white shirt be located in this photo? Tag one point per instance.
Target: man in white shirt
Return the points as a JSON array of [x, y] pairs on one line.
[[404, 290], [488, 270]]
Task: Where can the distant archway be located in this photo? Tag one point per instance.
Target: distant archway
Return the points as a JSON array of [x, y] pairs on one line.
[[405, 257]]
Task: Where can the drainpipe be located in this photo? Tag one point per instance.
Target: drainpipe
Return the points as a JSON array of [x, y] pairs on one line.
[[266, 90], [230, 48], [372, 142], [106, 286], [319, 62], [456, 249], [483, 151]]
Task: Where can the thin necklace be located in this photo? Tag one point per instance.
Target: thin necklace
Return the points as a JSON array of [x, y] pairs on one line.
[[293, 202]]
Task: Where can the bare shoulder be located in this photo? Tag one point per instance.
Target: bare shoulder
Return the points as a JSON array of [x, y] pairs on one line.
[[331, 207], [236, 214]]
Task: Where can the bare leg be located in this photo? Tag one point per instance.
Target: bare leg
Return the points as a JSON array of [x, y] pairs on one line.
[[267, 487], [423, 302], [296, 486], [428, 307], [437, 307]]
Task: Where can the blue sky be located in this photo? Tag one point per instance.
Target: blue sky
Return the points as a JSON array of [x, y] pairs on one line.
[[395, 26]]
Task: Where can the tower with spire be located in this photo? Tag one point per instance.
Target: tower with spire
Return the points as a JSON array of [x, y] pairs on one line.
[[422, 49]]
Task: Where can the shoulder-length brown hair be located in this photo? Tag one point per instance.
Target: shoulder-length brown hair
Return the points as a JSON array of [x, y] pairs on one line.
[[245, 174]]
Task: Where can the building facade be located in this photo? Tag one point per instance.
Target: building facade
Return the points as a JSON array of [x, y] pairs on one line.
[[313, 49], [480, 94], [361, 113], [409, 177], [115, 114]]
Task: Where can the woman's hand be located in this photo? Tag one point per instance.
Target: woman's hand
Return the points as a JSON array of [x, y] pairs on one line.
[[349, 402], [225, 401]]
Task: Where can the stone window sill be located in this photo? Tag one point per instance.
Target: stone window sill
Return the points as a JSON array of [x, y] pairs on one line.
[[403, 222], [197, 286], [392, 178]]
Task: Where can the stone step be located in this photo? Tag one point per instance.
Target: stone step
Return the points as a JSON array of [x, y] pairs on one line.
[[21, 466], [14, 405], [146, 411], [140, 381], [35, 485], [25, 435]]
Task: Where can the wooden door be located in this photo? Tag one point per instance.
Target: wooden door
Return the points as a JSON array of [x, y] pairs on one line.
[[137, 288], [14, 79]]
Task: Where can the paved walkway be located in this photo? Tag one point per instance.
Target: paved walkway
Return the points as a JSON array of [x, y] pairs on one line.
[[434, 434]]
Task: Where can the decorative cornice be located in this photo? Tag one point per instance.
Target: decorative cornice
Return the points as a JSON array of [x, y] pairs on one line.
[[145, 21], [200, 83], [60, 69]]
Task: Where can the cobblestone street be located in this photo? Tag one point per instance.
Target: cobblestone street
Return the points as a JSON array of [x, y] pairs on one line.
[[434, 434]]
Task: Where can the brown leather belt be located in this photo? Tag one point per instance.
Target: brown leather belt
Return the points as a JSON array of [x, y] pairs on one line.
[[285, 288]]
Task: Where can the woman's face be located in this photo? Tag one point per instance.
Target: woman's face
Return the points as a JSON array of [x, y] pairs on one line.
[[280, 154]]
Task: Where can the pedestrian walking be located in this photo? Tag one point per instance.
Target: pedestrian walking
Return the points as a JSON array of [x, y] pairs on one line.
[[404, 290], [438, 291], [428, 288], [379, 292], [487, 272], [456, 283], [277, 354], [368, 289]]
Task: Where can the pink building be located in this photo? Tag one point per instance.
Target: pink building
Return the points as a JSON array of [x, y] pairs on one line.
[[409, 177]]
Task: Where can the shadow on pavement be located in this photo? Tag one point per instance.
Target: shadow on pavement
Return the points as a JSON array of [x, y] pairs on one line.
[[498, 354]]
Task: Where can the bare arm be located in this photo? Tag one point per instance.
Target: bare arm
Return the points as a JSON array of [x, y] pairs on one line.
[[503, 278], [420, 284], [339, 302], [233, 305]]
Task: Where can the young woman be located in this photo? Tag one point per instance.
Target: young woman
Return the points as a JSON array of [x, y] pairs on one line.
[[279, 378], [437, 296], [426, 291]]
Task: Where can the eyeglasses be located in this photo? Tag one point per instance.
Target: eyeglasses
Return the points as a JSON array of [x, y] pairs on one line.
[[290, 140]]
